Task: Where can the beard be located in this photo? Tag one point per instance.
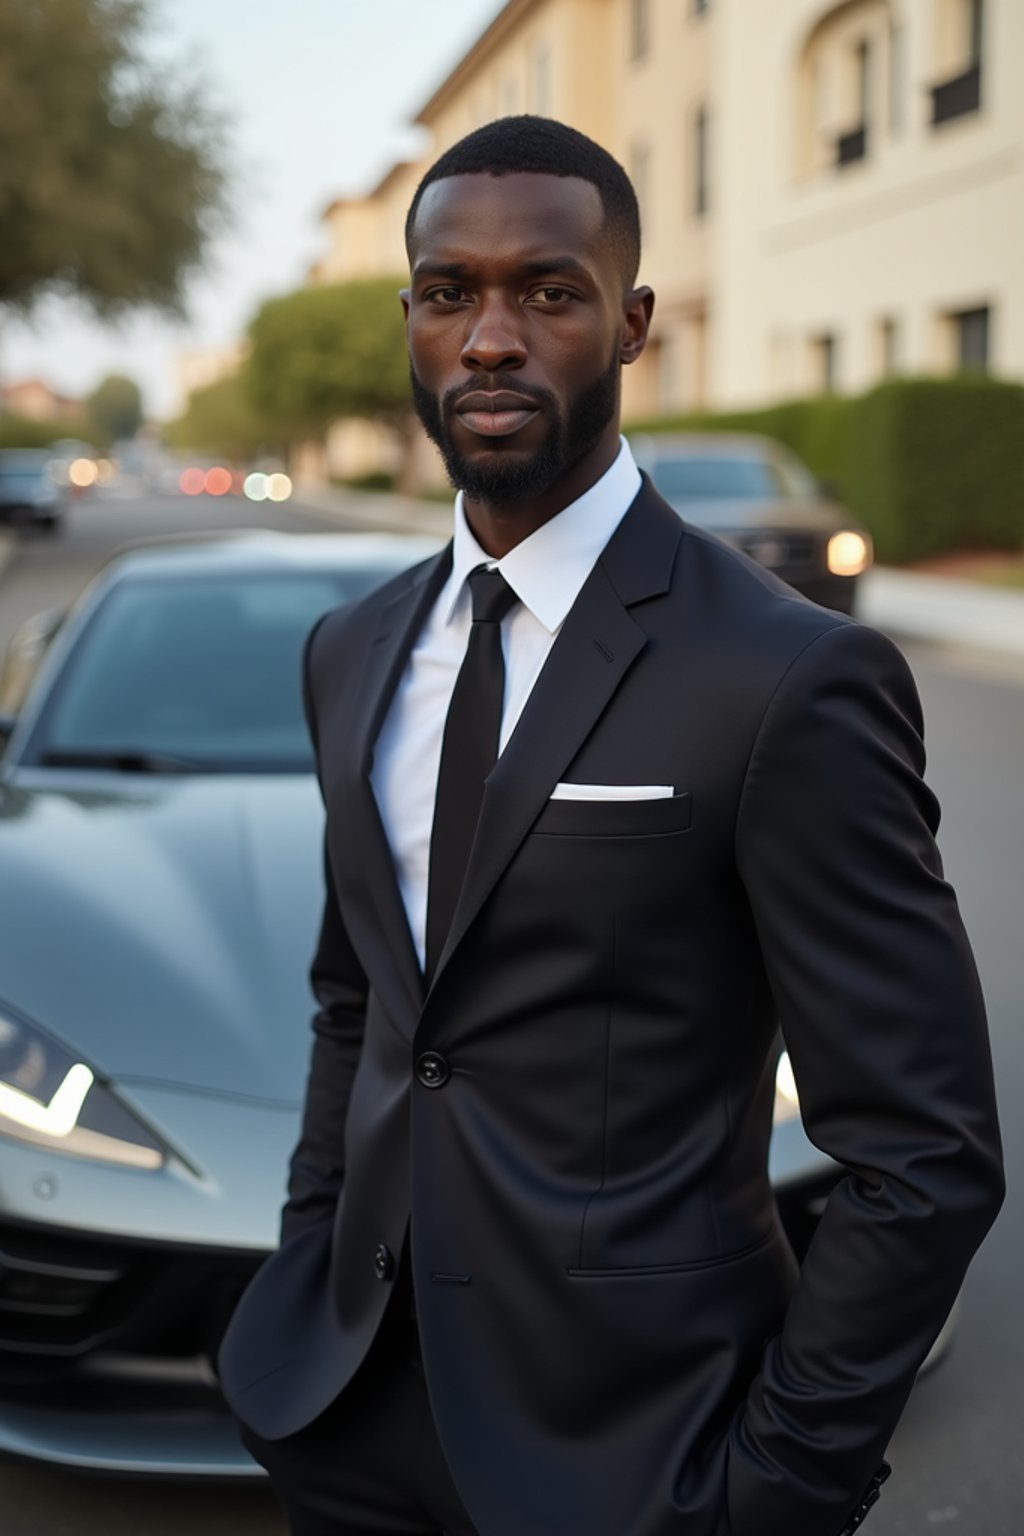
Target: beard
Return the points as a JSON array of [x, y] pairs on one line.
[[511, 476]]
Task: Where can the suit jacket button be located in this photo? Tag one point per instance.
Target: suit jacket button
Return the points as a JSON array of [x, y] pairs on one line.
[[432, 1070], [383, 1262]]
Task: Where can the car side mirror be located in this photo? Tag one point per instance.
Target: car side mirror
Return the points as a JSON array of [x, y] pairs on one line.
[[830, 490]]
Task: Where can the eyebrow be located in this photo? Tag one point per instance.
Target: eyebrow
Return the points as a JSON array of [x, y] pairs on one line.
[[556, 264], [441, 269], [535, 268]]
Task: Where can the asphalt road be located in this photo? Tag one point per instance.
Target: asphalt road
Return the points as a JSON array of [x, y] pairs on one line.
[[958, 1455]]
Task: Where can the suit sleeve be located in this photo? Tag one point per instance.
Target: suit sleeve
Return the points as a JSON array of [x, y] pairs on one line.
[[317, 1167], [882, 1014]]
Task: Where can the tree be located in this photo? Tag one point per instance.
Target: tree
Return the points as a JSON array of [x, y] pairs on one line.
[[323, 353], [111, 179], [222, 419], [23, 432], [115, 408]]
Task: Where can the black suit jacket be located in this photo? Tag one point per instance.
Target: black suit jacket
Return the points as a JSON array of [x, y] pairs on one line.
[[616, 1338]]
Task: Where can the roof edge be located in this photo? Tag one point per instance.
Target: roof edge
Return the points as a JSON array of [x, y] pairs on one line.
[[509, 17]]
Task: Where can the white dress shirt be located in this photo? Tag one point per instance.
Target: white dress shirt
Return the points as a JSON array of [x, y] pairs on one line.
[[546, 572]]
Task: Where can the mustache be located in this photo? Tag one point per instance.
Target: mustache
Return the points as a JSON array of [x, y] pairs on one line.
[[493, 382]]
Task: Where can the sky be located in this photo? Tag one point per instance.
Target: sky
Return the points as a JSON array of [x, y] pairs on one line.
[[320, 94]]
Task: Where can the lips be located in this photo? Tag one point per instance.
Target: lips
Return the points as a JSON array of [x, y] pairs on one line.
[[495, 415]]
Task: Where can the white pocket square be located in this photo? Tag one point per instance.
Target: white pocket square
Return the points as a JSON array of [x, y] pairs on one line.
[[612, 792]]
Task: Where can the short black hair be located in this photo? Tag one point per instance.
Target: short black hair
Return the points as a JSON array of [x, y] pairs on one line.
[[548, 148]]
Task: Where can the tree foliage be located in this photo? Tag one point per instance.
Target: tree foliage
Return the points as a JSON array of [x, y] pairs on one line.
[[24, 432], [221, 419], [114, 408], [111, 178], [323, 353]]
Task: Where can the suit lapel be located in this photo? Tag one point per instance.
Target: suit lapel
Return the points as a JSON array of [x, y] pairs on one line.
[[596, 647], [400, 623]]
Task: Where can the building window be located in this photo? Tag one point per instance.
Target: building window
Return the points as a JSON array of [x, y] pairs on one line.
[[700, 7], [853, 144], [971, 338], [702, 183], [639, 28], [640, 170], [844, 86], [975, 27], [508, 96], [960, 93], [888, 346], [540, 81], [824, 354], [668, 374], [895, 78]]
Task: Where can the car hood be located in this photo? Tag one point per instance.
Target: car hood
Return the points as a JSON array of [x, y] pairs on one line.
[[164, 927], [740, 516]]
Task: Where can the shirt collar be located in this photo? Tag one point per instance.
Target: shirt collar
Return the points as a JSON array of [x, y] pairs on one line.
[[547, 570]]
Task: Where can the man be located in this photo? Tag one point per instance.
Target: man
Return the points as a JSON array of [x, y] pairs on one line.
[[532, 1168]]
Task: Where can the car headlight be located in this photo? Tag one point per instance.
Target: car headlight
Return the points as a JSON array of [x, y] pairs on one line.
[[51, 1099], [787, 1099], [849, 553]]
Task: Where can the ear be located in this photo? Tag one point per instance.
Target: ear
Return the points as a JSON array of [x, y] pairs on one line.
[[403, 294], [637, 309]]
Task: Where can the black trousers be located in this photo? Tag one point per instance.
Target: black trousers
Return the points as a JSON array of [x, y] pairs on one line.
[[371, 1464]]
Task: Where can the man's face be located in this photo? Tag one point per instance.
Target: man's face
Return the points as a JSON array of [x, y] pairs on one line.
[[517, 327]]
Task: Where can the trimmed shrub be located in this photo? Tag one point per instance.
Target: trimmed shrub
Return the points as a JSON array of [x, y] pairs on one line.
[[817, 430], [937, 465]]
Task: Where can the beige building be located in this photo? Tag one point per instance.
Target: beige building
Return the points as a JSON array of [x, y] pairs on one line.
[[197, 367], [830, 192], [34, 400], [870, 178]]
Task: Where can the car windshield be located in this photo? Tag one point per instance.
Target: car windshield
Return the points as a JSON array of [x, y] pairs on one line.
[[17, 470], [693, 477], [201, 674]]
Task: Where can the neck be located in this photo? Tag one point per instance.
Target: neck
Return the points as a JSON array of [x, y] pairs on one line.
[[500, 526]]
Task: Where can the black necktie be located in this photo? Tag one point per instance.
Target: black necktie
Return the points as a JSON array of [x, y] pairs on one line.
[[469, 751]]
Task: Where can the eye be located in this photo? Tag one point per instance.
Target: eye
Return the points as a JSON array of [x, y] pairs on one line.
[[549, 296], [445, 296]]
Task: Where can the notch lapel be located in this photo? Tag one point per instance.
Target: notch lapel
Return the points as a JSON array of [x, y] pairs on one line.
[[596, 647], [400, 623]]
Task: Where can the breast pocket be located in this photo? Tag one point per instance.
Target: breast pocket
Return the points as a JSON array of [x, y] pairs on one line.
[[615, 818]]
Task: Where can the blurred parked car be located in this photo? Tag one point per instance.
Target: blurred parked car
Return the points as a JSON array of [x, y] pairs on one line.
[[758, 496], [29, 490], [160, 831]]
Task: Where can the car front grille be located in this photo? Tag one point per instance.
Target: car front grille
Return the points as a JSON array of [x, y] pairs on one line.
[[783, 550], [64, 1298]]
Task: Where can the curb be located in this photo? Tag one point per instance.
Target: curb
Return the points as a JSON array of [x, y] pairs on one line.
[[375, 511], [943, 610], [8, 550]]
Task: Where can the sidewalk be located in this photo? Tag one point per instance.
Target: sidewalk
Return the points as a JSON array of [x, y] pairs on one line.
[[942, 609], [903, 603]]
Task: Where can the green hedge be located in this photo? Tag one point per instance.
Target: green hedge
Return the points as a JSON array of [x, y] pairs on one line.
[[372, 480], [816, 430], [937, 465], [22, 432], [928, 465]]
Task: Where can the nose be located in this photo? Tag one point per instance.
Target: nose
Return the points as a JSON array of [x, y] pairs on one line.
[[494, 338]]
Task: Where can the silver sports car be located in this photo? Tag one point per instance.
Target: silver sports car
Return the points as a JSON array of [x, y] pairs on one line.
[[160, 832]]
